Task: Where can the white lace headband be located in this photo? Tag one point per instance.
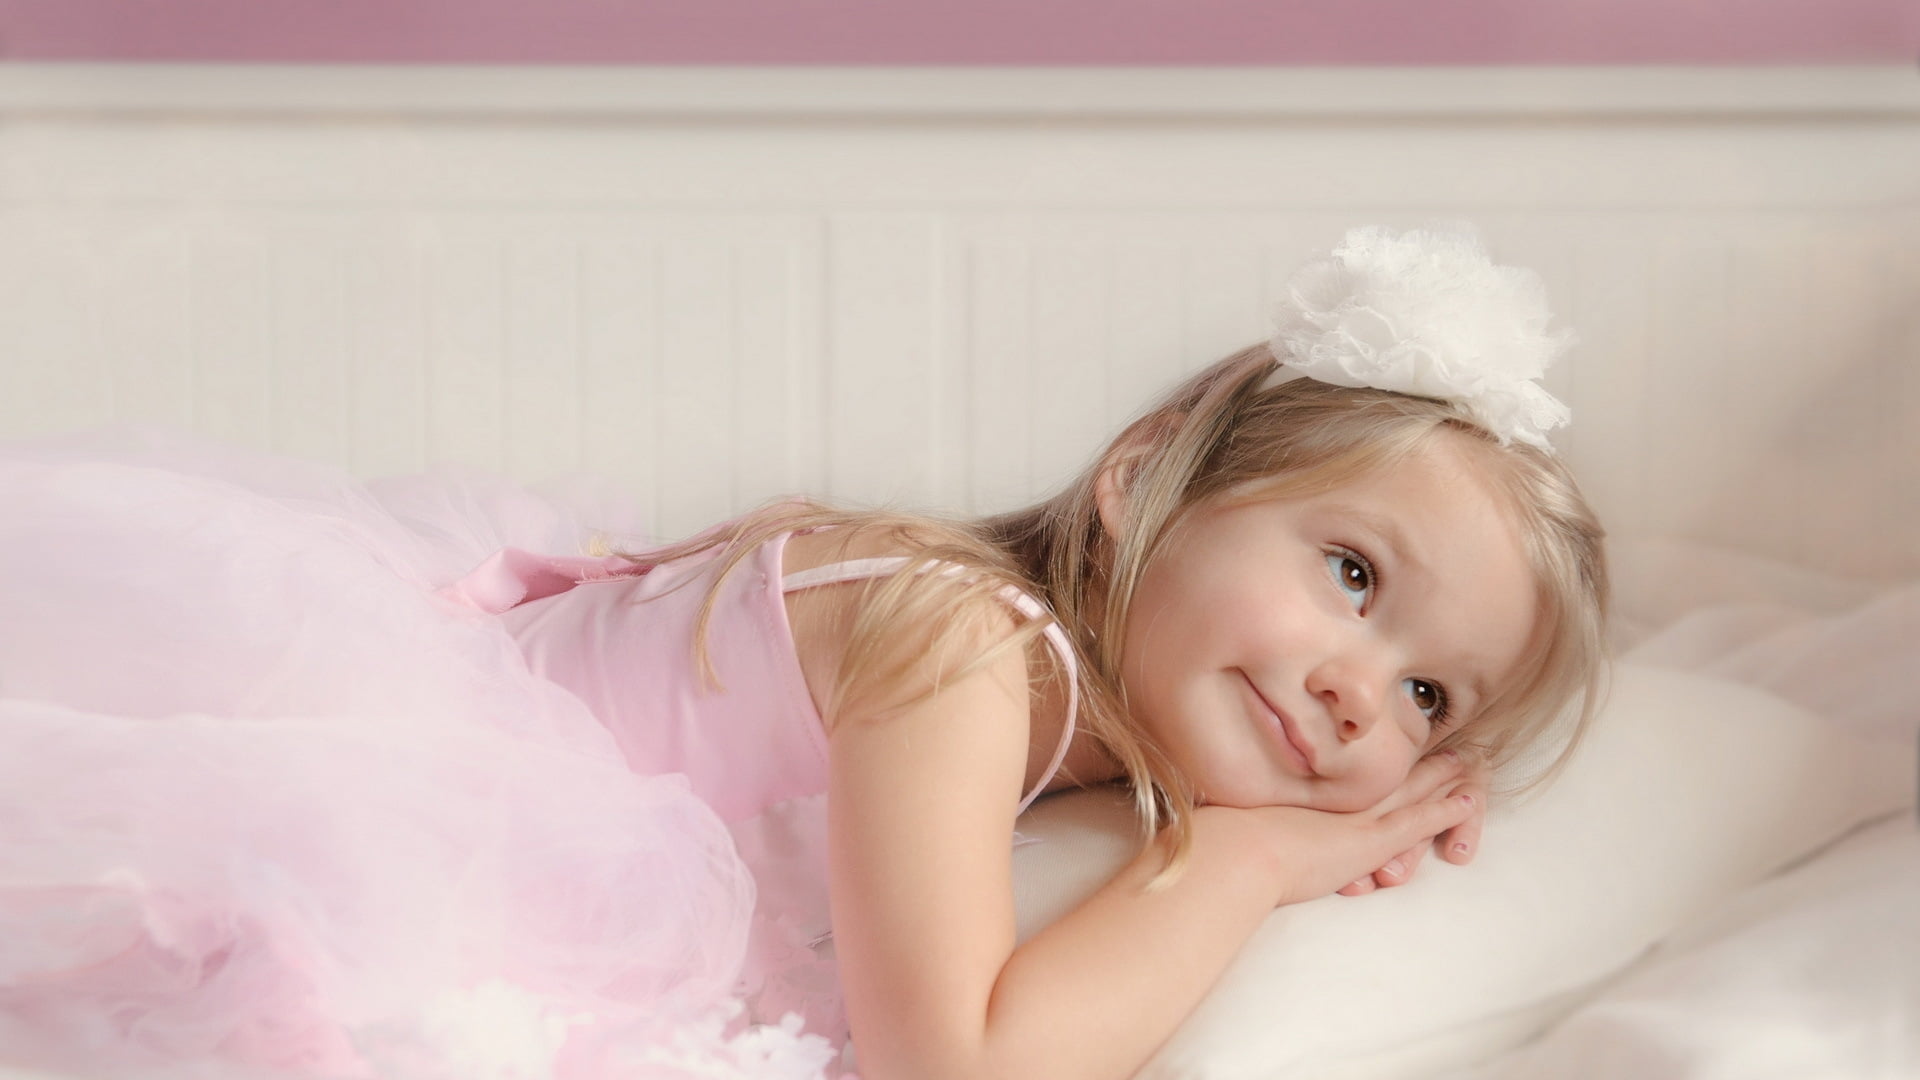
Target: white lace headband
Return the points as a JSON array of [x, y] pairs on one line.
[[1425, 313]]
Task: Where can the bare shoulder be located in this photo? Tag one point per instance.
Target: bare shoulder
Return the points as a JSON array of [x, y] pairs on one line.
[[823, 617]]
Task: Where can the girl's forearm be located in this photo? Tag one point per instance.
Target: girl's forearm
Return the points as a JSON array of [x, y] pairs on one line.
[[1096, 993], [1093, 995]]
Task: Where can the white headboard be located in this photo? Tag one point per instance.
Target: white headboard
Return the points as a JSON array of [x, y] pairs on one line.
[[946, 287]]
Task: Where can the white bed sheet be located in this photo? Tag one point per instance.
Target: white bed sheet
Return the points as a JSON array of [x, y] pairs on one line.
[[1814, 973]]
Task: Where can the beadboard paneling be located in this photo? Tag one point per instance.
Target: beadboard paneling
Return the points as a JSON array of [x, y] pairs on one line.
[[952, 310]]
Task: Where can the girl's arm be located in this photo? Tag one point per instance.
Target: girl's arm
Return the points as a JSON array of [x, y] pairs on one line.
[[921, 815]]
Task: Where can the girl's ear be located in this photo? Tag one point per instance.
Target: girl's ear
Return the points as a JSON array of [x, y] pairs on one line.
[[1113, 485]]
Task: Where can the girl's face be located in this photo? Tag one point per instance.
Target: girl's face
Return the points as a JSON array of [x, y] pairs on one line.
[[1307, 651]]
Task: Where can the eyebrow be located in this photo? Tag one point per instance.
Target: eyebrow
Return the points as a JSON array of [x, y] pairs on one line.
[[1389, 532]]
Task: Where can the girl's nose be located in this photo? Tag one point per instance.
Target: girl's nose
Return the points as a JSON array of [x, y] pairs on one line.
[[1353, 693]]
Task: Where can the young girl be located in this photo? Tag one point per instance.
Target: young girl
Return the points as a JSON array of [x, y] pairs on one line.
[[554, 816]]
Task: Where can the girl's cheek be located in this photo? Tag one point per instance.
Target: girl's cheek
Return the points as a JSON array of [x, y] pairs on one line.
[[1367, 790]]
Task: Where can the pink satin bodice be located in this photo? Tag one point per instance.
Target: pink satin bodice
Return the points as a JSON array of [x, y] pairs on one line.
[[620, 636]]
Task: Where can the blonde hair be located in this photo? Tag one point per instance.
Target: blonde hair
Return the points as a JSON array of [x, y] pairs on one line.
[[1222, 432]]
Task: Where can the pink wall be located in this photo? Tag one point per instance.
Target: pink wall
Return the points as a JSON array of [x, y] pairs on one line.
[[1063, 32]]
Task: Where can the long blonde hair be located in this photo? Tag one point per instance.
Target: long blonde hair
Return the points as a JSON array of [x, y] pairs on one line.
[[1221, 431]]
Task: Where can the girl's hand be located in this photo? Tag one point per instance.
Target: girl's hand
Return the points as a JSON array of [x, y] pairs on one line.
[[1444, 774], [1319, 852]]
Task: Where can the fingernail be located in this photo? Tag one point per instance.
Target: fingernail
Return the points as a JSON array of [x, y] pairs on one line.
[[1459, 849], [1468, 799], [1394, 868]]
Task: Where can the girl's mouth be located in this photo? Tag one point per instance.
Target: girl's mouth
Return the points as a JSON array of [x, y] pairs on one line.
[[1295, 749]]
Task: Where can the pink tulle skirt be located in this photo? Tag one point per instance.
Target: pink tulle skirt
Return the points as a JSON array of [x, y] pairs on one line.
[[269, 807]]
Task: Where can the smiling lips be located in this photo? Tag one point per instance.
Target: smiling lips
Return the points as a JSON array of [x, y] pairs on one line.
[[1296, 749]]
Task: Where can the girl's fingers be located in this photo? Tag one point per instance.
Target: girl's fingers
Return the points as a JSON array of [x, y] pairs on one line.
[[1426, 779], [1419, 824], [1461, 843], [1406, 829], [1439, 779], [1326, 847], [1399, 869]]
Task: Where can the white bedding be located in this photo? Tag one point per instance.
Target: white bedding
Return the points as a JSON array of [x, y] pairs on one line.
[[1816, 972]]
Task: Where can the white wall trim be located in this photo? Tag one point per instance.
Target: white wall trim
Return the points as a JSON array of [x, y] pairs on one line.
[[1856, 92]]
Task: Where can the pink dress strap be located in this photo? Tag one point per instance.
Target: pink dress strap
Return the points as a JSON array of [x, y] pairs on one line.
[[862, 569]]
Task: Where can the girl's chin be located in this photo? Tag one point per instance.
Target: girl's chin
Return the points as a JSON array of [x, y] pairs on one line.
[[1294, 794], [1350, 799]]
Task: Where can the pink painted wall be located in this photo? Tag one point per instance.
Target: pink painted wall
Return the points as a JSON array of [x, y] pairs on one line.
[[1044, 32]]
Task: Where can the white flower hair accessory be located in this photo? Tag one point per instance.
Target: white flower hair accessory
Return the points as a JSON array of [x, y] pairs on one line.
[[1426, 313]]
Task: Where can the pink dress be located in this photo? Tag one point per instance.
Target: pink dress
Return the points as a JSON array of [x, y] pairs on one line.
[[620, 635], [288, 787]]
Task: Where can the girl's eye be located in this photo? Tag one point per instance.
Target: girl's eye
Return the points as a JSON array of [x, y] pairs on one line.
[[1429, 698], [1353, 574]]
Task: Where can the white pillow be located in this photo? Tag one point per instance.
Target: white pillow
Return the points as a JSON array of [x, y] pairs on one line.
[[1814, 972], [1687, 789]]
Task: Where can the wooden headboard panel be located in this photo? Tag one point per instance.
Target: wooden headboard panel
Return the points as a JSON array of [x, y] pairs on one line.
[[946, 287]]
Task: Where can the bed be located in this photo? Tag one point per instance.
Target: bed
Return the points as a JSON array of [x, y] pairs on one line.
[[682, 292]]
